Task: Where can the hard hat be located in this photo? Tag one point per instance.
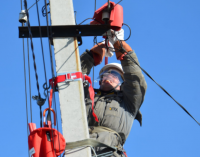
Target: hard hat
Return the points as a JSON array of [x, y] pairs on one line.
[[114, 66]]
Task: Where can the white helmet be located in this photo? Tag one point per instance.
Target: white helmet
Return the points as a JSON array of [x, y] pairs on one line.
[[114, 66]]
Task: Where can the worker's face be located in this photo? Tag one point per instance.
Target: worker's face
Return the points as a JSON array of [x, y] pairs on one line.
[[109, 81]]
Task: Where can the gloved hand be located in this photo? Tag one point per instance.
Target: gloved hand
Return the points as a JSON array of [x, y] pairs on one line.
[[100, 50], [121, 47], [109, 52], [116, 35]]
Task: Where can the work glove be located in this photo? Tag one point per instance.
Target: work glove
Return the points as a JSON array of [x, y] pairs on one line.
[[116, 35], [99, 51], [120, 46], [109, 50]]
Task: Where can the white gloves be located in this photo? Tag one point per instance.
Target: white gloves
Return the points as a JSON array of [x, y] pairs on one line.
[[108, 53], [116, 35]]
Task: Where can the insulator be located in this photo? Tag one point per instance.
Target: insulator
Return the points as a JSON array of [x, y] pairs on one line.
[[105, 15], [22, 16]]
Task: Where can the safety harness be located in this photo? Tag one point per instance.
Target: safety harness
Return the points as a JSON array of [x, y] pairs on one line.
[[74, 77]]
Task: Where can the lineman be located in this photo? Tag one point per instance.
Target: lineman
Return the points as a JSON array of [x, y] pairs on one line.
[[120, 96]]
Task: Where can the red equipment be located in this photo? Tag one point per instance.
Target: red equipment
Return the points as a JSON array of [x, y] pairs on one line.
[[116, 16], [45, 142], [72, 77]]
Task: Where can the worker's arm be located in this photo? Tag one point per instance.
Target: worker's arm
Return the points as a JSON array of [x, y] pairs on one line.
[[92, 57], [87, 62], [134, 86]]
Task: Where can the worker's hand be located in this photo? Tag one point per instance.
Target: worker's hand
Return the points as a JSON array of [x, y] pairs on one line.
[[98, 52], [120, 46], [116, 36], [108, 48]]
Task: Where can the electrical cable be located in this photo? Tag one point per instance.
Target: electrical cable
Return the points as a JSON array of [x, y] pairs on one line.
[[25, 85], [25, 88], [52, 69], [32, 48], [29, 80], [32, 5], [116, 4], [44, 13], [163, 89], [92, 19], [132, 59], [42, 56], [129, 30]]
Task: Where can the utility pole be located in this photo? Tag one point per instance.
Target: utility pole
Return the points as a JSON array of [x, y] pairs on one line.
[[71, 96]]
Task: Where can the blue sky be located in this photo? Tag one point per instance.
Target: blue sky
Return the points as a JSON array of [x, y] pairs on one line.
[[166, 39]]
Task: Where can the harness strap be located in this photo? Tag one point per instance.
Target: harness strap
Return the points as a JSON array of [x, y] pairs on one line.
[[75, 77], [93, 129]]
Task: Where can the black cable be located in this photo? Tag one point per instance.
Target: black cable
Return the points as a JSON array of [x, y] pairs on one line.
[[51, 58], [115, 4], [129, 30], [29, 80], [51, 61], [44, 13], [32, 48], [42, 56], [25, 89], [92, 19], [132, 59], [162, 88], [33, 5], [41, 42]]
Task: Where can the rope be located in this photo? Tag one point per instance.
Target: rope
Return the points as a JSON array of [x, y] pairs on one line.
[[32, 48]]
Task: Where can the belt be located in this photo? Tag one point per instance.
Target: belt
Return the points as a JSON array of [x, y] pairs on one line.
[[93, 129]]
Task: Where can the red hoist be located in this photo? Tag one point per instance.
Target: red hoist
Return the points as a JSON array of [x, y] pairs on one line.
[[46, 141]]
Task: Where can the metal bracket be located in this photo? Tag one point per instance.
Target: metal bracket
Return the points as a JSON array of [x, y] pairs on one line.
[[65, 31]]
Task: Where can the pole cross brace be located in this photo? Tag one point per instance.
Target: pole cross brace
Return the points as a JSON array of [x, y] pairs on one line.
[[65, 31]]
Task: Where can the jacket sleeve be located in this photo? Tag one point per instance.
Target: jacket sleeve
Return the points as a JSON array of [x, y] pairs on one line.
[[87, 62], [134, 86]]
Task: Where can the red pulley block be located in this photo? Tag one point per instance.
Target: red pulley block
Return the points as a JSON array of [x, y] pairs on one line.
[[116, 16]]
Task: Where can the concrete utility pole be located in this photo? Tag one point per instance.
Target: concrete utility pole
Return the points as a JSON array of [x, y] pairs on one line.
[[73, 113]]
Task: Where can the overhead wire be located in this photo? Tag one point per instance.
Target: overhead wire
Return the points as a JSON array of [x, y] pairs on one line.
[[25, 85], [32, 48], [52, 68], [32, 5], [132, 59], [42, 56], [29, 80]]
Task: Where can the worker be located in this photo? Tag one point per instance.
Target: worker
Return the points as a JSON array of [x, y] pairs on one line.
[[120, 96]]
